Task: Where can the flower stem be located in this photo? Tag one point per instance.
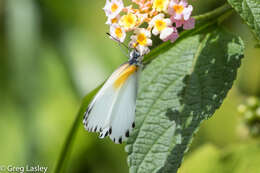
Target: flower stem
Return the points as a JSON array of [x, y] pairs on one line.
[[67, 147]]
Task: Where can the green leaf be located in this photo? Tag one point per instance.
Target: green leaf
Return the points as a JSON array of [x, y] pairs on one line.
[[178, 90], [249, 10]]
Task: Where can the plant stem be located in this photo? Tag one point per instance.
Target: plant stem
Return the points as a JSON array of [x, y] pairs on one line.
[[67, 147], [214, 13]]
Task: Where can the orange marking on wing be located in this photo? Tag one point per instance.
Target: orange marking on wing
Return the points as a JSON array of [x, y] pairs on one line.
[[124, 76]]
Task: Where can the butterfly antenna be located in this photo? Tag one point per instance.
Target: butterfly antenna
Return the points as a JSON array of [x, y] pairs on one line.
[[119, 42]]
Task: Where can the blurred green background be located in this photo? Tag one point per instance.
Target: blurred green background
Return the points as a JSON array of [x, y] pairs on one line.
[[53, 52]]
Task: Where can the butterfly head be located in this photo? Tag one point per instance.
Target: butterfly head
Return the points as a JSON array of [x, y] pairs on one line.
[[135, 57]]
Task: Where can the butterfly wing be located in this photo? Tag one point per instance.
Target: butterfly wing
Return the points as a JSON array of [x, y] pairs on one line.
[[112, 111], [124, 111]]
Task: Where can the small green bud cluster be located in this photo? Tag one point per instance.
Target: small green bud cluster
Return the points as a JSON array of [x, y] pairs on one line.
[[250, 113]]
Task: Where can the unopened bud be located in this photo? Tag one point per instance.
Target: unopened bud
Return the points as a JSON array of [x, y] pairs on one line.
[[252, 101], [241, 108]]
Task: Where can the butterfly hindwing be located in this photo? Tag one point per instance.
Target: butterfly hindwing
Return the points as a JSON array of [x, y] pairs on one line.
[[112, 111], [124, 110]]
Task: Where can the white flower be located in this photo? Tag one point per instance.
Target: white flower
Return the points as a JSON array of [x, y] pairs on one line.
[[161, 26], [113, 8], [111, 21], [141, 17], [173, 36], [141, 40], [117, 32], [180, 9]]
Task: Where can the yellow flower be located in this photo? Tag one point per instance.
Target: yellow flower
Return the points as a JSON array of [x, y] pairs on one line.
[[113, 8], [160, 5], [141, 40], [111, 21], [178, 8], [162, 26], [117, 32], [128, 21]]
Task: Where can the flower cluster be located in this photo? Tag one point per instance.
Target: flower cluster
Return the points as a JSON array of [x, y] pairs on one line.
[[161, 18]]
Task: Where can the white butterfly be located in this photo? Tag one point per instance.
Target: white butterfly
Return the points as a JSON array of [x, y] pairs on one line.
[[112, 111]]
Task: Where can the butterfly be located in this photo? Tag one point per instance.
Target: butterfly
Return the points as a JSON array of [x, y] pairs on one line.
[[112, 111]]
